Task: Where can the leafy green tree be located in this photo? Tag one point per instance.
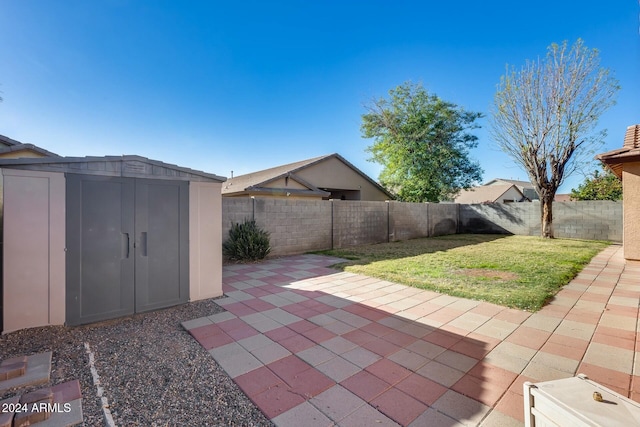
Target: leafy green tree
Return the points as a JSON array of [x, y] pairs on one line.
[[545, 117], [423, 144], [606, 186]]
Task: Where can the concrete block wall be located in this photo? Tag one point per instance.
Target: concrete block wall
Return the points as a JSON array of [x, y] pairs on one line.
[[500, 218], [359, 223], [296, 225], [235, 210], [408, 220], [591, 220], [299, 225], [443, 219]]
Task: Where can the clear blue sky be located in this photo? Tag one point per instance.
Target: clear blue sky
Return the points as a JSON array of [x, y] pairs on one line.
[[242, 86]]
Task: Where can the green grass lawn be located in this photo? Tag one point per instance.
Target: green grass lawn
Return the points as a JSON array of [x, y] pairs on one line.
[[515, 271]]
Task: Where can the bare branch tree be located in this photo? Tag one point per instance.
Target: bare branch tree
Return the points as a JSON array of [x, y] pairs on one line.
[[545, 117]]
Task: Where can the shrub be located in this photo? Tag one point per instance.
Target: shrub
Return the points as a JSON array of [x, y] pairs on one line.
[[247, 242]]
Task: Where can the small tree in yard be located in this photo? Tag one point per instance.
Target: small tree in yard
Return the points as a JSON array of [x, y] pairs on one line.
[[423, 144], [545, 117], [605, 186], [246, 242]]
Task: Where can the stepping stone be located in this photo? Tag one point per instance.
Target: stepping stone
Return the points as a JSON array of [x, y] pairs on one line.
[[57, 406], [37, 371], [6, 418], [13, 368]]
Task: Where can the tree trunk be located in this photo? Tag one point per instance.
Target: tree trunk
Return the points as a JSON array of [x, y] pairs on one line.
[[546, 206]]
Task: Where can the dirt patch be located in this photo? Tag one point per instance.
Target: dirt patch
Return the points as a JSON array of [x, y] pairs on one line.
[[488, 274]]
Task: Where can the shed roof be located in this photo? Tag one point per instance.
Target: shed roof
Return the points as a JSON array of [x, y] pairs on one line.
[[630, 151], [125, 166]]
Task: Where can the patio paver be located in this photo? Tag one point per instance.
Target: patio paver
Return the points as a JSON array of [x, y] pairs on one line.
[[313, 346]]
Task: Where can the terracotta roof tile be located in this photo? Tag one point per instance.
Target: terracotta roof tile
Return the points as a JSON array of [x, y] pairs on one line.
[[632, 137]]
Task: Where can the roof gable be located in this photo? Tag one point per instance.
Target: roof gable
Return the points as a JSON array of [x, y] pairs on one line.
[[12, 148], [256, 180], [486, 193], [502, 181]]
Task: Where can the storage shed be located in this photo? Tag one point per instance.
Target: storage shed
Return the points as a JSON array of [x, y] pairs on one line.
[[95, 238]]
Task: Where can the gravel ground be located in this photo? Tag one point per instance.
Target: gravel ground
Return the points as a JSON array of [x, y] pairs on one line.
[[152, 371]]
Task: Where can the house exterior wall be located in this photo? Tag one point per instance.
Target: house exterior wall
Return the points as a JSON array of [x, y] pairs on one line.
[[286, 184], [205, 240], [20, 154], [511, 195], [631, 197], [332, 173], [34, 243]]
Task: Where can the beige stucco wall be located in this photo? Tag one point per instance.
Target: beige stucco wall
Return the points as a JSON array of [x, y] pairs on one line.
[[332, 173], [286, 184], [259, 194], [20, 154], [205, 240], [510, 195], [631, 209], [34, 242]]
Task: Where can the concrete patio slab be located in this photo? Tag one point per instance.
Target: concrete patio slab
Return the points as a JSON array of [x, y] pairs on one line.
[[312, 346]]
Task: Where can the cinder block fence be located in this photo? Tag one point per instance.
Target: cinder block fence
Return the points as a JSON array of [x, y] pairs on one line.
[[298, 225]]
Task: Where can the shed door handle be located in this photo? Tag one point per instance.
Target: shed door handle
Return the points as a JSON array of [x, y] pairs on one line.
[[126, 244]]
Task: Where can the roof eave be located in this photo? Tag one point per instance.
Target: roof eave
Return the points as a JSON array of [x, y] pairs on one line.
[[57, 160], [287, 192]]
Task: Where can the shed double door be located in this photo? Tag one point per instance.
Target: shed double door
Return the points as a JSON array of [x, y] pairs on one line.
[[127, 246]]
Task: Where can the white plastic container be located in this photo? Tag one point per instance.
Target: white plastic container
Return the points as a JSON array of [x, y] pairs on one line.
[[570, 402]]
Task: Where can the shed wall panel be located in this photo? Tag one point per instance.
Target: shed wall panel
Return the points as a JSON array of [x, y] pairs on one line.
[[34, 259], [205, 240]]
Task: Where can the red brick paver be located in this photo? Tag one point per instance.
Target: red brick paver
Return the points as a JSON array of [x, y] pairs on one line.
[[411, 357]]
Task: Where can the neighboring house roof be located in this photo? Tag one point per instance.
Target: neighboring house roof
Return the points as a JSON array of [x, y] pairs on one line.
[[13, 148], [562, 198], [487, 193], [125, 166], [257, 181], [526, 187], [630, 151], [498, 181]]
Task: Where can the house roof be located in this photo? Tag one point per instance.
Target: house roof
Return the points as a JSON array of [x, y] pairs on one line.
[[562, 198], [255, 181], [125, 166], [485, 193], [630, 151], [522, 184], [8, 145]]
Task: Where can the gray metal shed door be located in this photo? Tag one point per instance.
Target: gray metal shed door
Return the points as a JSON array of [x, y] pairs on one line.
[[127, 246]]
